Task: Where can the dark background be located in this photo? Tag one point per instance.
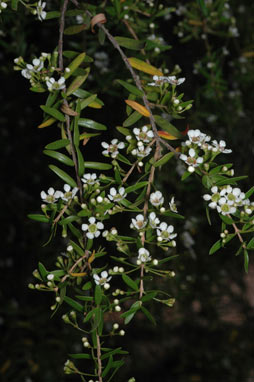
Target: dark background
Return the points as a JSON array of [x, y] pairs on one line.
[[209, 334]]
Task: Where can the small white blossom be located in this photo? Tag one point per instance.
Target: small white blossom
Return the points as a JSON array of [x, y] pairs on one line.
[[221, 147], [50, 276], [156, 198], [172, 205], [144, 134], [139, 222], [165, 232], [141, 151], [196, 137], [89, 179], [52, 196], [153, 220], [144, 255], [68, 193], [104, 279], [52, 84], [40, 10], [191, 160], [93, 229], [158, 80], [112, 148], [115, 196]]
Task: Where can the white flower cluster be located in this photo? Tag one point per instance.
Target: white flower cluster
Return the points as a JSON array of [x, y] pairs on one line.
[[159, 80], [36, 72], [143, 136], [52, 196], [198, 140], [227, 199]]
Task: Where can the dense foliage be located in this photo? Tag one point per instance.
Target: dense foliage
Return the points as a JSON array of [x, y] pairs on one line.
[[142, 188]]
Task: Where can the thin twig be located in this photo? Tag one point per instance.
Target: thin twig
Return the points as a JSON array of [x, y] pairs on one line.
[[74, 265], [237, 231], [99, 356], [62, 212], [136, 80], [61, 32]]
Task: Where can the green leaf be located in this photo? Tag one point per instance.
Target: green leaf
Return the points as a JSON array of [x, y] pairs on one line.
[[123, 130], [149, 296], [43, 271], [14, 4], [131, 88], [87, 101], [74, 304], [231, 180], [164, 159], [108, 367], [167, 126], [246, 260], [74, 29], [208, 215], [63, 175], [203, 7], [185, 175], [89, 123], [53, 112], [81, 163], [76, 232], [98, 165], [87, 286], [250, 244], [129, 317], [226, 219], [123, 159], [136, 187], [207, 181], [77, 248], [75, 64], [80, 356], [69, 219], [101, 36], [148, 315], [98, 295], [53, 15], [60, 143], [133, 118], [130, 43], [249, 193], [215, 247], [59, 156], [130, 282], [77, 82], [39, 218]]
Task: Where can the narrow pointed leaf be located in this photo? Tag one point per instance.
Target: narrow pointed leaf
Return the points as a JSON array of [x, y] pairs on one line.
[[75, 64], [144, 67], [74, 29], [133, 118], [139, 108], [136, 186], [46, 123], [215, 247], [39, 218], [59, 156], [98, 165], [131, 88], [167, 126], [90, 124], [60, 143], [77, 82], [164, 159], [53, 112], [63, 175], [246, 260], [130, 43], [74, 304], [129, 282]]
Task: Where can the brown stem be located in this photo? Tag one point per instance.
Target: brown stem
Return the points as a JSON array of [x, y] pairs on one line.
[[74, 265], [61, 32], [61, 212], [99, 357], [136, 80], [237, 231]]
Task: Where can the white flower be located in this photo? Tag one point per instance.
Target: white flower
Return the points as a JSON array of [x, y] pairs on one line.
[[156, 198], [139, 222], [224, 208], [153, 220], [191, 160], [116, 197], [144, 134], [52, 196], [172, 205], [89, 178], [92, 228], [165, 232], [144, 255], [3, 5], [112, 149], [141, 151], [52, 84], [69, 193], [173, 81], [196, 137], [27, 72], [220, 146], [104, 279], [39, 10], [215, 197], [170, 80]]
